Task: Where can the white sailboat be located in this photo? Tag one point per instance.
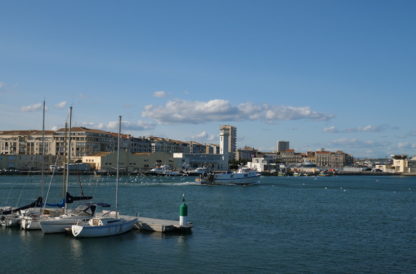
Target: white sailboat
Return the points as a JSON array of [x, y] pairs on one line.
[[109, 224], [59, 223], [28, 217]]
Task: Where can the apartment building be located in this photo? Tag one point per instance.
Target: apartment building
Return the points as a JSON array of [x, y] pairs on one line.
[[20, 142], [328, 159], [212, 149], [130, 162], [290, 157], [282, 146], [246, 154], [84, 141]]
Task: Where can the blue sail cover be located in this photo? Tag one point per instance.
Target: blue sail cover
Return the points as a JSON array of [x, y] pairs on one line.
[[60, 204], [69, 200]]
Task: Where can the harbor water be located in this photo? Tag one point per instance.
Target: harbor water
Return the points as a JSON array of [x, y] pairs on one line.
[[340, 224]]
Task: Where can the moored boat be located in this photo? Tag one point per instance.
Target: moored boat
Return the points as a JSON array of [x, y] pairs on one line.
[[104, 226], [110, 223], [198, 171], [243, 176], [164, 170], [59, 224], [31, 218]]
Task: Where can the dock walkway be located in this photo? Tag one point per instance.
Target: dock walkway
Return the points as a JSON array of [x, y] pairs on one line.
[[160, 225]]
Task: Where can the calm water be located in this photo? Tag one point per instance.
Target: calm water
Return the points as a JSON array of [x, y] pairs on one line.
[[285, 224]]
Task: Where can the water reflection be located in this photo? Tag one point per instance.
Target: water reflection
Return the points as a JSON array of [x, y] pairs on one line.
[[76, 248]]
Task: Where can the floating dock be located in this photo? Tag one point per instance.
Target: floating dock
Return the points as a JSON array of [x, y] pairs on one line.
[[163, 226]]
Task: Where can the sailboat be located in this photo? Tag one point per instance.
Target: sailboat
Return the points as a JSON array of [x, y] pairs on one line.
[[109, 224], [58, 224], [30, 216], [12, 216]]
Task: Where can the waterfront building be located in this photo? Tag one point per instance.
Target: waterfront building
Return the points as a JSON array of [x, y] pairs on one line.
[[400, 163], [246, 154], [168, 145], [26, 162], [310, 157], [212, 149], [282, 146], [29, 142], [194, 160], [290, 157], [195, 147], [139, 144], [387, 168], [84, 142], [412, 165], [328, 159], [129, 162], [262, 165], [228, 141], [159, 144]]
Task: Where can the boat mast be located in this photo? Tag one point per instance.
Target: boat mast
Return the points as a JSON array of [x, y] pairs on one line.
[[42, 183], [64, 159], [68, 156], [118, 162]]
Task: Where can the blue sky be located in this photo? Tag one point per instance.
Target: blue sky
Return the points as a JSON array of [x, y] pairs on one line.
[[338, 75]]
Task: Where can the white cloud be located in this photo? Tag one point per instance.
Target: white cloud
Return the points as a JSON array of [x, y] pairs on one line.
[[331, 129], [406, 145], [204, 136], [294, 113], [367, 128], [354, 142], [61, 104], [113, 125], [2, 85], [160, 94], [31, 108], [126, 125], [89, 124], [195, 112]]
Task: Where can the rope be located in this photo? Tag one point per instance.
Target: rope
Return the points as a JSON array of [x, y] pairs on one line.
[[50, 183]]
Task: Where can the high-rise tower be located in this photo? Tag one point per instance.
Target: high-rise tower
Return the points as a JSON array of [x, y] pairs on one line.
[[228, 141], [282, 146]]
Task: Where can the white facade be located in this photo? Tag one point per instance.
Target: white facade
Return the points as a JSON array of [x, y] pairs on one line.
[[400, 165], [228, 141], [258, 164], [211, 161], [225, 143]]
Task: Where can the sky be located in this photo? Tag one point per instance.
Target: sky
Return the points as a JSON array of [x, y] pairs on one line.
[[336, 74]]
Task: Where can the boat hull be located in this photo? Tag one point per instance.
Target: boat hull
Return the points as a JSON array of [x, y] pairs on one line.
[[30, 223], [115, 228], [60, 224], [32, 218], [229, 179], [12, 220], [245, 181]]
